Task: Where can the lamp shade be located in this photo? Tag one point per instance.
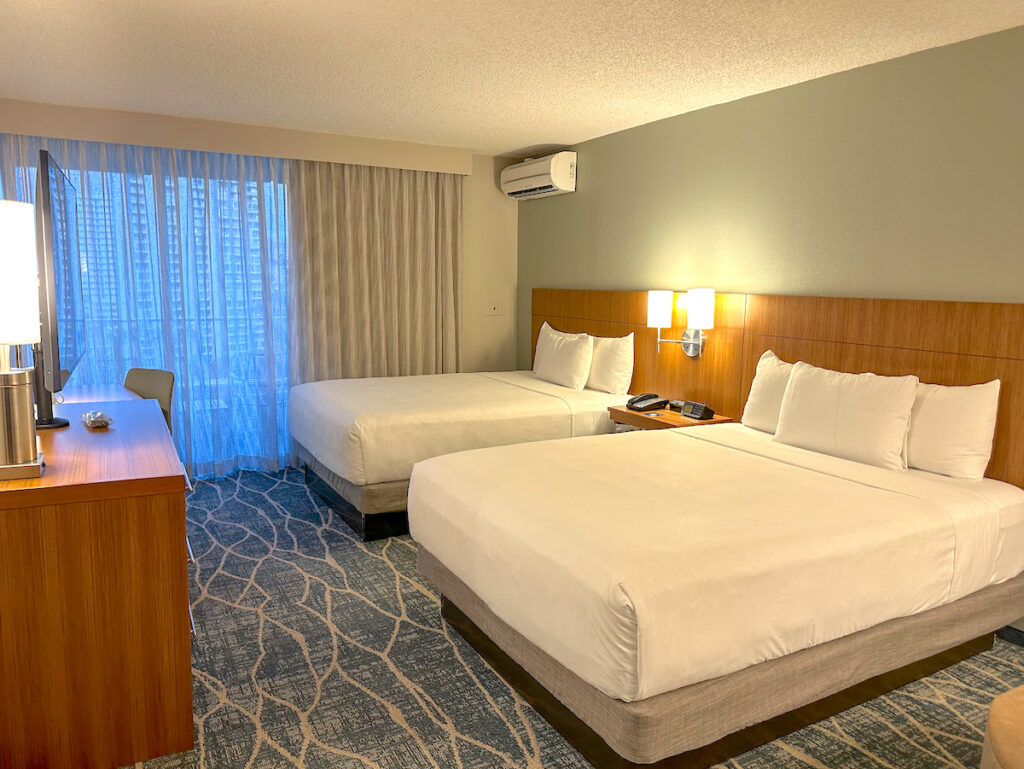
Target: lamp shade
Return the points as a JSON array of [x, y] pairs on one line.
[[700, 308], [19, 268], [659, 309]]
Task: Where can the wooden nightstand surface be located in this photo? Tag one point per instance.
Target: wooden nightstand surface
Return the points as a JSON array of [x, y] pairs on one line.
[[660, 419]]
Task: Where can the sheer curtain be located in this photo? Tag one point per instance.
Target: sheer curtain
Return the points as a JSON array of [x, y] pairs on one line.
[[244, 274], [185, 268], [376, 270]]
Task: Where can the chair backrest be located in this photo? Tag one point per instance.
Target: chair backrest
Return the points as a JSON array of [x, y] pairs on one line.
[[152, 383]]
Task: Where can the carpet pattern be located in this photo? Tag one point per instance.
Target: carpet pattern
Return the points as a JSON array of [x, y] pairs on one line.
[[316, 650]]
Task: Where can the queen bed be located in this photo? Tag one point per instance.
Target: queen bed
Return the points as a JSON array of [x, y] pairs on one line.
[[630, 582], [641, 599], [680, 596], [359, 438]]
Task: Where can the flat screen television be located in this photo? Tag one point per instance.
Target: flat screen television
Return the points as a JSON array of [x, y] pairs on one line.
[[61, 307]]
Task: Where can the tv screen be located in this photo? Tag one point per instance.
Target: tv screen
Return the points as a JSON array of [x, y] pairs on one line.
[[61, 308]]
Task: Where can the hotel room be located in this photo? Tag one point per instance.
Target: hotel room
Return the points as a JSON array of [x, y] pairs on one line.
[[508, 385]]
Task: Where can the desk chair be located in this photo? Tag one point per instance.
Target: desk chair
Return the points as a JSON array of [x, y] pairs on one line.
[[152, 383]]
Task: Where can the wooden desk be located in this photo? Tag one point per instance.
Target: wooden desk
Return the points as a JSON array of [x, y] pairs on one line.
[[95, 652], [660, 419], [94, 393]]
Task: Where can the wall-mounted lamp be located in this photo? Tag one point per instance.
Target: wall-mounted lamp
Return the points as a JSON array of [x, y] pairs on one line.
[[700, 316], [659, 312]]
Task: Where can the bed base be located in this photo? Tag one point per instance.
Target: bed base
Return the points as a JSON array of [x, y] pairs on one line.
[[593, 748], [372, 511], [366, 526], [715, 719]]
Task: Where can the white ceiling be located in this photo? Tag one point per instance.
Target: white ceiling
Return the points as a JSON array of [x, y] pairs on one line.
[[492, 75]]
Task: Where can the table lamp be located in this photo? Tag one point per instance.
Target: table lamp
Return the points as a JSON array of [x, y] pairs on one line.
[[19, 324]]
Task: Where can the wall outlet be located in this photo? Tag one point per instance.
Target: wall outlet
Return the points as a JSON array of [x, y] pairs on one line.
[[492, 308]]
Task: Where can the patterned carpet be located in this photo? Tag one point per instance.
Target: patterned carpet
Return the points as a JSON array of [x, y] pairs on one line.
[[315, 650]]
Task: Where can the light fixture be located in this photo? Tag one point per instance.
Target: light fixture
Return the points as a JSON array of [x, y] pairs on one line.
[[19, 324], [659, 312], [700, 317], [659, 309]]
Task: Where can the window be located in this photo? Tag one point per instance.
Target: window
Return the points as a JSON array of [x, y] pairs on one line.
[[185, 267]]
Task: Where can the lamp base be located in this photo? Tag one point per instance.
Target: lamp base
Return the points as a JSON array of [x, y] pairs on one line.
[[17, 418], [21, 472]]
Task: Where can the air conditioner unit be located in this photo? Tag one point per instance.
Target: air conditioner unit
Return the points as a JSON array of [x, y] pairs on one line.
[[541, 177]]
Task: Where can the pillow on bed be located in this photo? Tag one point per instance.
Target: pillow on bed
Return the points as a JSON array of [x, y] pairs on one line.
[[765, 400], [612, 368], [563, 359], [951, 429], [863, 417]]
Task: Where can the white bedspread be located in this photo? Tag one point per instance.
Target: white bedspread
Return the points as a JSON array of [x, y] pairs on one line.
[[647, 561], [374, 430]]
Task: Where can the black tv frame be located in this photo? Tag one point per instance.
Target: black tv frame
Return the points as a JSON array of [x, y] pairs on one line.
[[48, 377]]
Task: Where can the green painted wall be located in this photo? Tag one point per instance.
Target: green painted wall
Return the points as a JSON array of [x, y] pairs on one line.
[[901, 179]]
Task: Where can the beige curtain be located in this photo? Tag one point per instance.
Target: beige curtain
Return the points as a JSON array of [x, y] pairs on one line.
[[376, 264]]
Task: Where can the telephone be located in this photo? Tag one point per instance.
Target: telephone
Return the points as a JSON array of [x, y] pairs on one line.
[[693, 409], [646, 402]]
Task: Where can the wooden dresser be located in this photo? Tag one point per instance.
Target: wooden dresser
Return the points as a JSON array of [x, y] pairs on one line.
[[95, 650]]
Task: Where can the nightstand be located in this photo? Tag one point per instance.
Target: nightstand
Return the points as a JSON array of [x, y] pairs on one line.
[[660, 419]]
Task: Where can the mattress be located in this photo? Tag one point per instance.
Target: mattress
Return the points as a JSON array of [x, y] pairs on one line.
[[644, 562], [374, 430]]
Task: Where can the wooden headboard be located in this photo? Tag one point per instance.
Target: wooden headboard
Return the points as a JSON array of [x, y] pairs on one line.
[[951, 343]]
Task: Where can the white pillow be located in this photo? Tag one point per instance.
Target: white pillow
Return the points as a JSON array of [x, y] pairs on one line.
[[863, 417], [951, 429], [612, 368], [563, 359], [765, 400]]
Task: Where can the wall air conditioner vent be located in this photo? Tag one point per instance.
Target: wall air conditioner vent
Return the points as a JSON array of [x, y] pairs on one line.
[[534, 191], [541, 177]]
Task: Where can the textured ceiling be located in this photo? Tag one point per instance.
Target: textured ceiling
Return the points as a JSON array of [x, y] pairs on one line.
[[492, 76]]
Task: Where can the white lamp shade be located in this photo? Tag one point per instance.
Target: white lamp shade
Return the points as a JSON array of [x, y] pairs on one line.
[[659, 309], [700, 308], [19, 274]]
